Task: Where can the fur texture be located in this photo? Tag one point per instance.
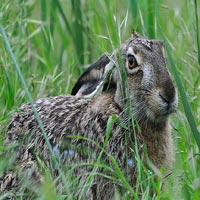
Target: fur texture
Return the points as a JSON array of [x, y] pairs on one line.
[[133, 79]]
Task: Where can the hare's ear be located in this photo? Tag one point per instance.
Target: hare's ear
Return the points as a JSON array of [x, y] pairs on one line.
[[95, 78]]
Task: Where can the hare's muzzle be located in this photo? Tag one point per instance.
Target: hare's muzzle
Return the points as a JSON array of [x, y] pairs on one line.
[[170, 104], [168, 96]]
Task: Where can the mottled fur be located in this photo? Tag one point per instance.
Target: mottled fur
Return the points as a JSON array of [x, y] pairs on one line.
[[152, 98]]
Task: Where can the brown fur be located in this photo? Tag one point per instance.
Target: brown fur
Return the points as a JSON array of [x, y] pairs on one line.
[[151, 102]]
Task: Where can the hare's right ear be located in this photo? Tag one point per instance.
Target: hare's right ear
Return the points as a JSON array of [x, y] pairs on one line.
[[95, 78]]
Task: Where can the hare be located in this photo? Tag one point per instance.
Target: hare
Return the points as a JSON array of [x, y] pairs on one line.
[[133, 85]]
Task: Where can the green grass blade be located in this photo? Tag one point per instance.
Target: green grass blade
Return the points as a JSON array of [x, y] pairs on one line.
[[122, 177], [151, 19], [43, 12], [61, 12], [17, 68], [134, 7], [78, 30], [184, 99], [89, 179], [197, 30]]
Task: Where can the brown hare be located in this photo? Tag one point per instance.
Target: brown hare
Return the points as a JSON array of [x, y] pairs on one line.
[[133, 86]]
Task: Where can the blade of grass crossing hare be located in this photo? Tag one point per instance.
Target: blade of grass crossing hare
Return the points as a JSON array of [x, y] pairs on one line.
[[184, 99], [89, 179], [16, 66]]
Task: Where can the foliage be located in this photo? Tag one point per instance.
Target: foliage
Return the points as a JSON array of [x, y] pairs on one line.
[[53, 41]]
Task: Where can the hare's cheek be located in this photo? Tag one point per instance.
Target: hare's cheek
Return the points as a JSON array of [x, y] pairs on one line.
[[135, 79]]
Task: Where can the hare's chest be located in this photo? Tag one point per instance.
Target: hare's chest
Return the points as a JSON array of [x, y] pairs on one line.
[[159, 151]]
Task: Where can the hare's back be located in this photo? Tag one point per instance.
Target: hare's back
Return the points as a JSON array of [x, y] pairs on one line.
[[61, 116], [55, 113]]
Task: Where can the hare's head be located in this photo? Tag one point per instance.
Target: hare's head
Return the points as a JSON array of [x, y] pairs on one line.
[[136, 72]]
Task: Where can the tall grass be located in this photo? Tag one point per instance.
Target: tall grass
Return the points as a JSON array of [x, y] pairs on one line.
[[197, 29], [53, 42]]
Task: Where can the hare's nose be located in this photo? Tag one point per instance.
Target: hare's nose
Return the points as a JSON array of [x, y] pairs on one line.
[[164, 98], [168, 93], [168, 96]]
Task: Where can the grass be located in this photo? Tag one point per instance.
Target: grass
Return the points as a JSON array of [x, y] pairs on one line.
[[53, 42]]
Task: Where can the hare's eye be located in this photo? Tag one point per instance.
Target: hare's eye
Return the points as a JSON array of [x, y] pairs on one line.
[[132, 61]]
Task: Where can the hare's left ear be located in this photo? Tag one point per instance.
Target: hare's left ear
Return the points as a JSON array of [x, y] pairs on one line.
[[95, 78]]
